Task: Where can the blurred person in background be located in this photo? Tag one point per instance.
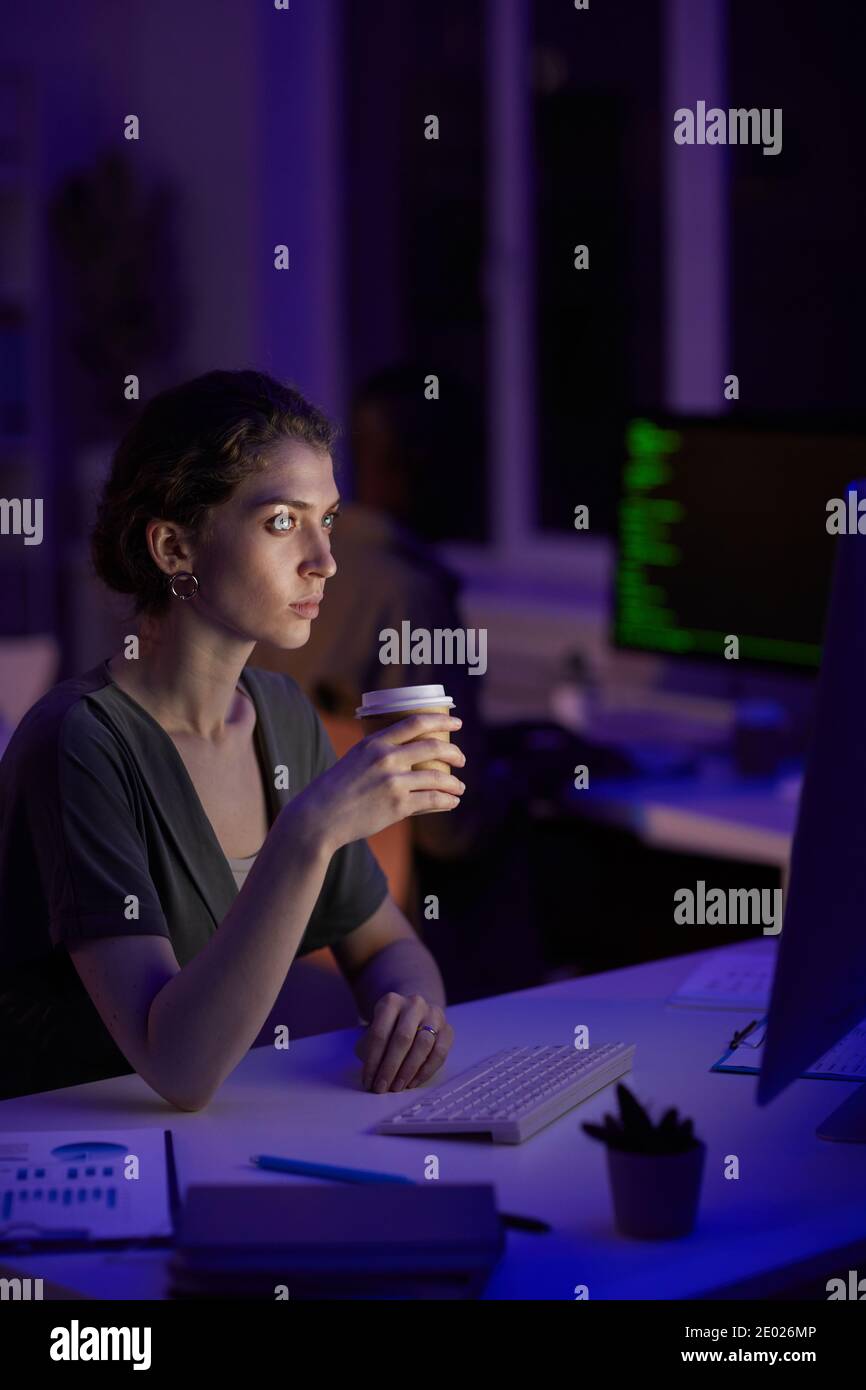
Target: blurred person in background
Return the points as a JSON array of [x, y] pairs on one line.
[[406, 452], [418, 478]]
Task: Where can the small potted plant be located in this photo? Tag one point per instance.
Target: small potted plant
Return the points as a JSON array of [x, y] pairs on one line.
[[655, 1170]]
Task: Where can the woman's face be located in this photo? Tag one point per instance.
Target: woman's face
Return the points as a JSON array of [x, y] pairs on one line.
[[268, 549]]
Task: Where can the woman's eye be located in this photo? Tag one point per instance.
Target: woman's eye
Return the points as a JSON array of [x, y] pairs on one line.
[[333, 517], [280, 522]]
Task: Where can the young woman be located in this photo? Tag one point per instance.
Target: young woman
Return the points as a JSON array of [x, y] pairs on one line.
[[174, 826]]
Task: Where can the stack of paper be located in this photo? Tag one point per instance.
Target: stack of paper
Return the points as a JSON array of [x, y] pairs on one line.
[[730, 979]]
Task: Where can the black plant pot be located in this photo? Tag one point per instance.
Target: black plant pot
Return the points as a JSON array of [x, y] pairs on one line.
[[655, 1196]]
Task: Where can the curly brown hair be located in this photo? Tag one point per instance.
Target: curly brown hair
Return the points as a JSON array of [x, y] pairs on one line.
[[186, 452]]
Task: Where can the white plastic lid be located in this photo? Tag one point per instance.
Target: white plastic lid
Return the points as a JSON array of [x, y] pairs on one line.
[[401, 698]]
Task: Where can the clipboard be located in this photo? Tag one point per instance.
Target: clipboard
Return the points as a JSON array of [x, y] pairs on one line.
[[61, 1191], [846, 1061]]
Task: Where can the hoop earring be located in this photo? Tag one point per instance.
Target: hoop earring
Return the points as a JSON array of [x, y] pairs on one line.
[[184, 575]]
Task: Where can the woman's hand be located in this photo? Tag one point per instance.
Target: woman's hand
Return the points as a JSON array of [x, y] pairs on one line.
[[373, 785], [398, 1050]]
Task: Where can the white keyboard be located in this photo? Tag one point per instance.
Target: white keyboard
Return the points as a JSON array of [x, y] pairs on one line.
[[512, 1093]]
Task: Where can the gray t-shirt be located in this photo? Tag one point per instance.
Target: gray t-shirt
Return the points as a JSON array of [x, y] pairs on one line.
[[102, 834]]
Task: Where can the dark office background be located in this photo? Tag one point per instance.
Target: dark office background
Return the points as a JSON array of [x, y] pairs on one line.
[[452, 257], [104, 272]]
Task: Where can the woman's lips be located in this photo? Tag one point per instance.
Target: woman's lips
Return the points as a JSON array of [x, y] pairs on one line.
[[305, 610]]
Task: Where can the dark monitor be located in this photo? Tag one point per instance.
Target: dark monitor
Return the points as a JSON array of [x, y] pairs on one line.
[[722, 530], [819, 986]]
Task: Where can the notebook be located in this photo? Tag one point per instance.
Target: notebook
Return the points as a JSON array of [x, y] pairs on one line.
[[112, 1188], [385, 1240], [730, 979]]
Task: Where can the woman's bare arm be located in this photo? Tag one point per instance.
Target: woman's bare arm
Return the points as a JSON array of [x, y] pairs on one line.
[[385, 954], [184, 1030]]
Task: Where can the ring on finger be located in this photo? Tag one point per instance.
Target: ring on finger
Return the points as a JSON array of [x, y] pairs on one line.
[[422, 1028]]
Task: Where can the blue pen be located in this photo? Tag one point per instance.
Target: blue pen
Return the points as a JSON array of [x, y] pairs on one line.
[[324, 1170]]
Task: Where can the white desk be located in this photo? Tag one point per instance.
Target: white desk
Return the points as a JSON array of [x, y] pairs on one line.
[[796, 1196], [734, 819]]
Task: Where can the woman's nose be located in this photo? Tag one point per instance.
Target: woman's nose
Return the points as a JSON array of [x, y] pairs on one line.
[[322, 562]]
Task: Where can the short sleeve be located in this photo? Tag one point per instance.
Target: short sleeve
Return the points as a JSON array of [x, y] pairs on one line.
[[93, 853], [354, 885]]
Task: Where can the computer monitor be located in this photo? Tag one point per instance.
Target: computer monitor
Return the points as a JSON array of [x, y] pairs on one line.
[[819, 986], [722, 530]]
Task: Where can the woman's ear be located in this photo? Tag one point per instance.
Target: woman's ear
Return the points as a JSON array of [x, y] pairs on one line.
[[170, 546]]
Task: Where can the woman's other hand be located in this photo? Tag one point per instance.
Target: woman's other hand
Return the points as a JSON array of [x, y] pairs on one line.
[[398, 1049]]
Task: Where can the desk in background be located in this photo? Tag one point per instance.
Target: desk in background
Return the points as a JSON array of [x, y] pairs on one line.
[[730, 818]]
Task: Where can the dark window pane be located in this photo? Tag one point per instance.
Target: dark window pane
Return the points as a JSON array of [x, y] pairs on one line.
[[415, 214], [598, 182], [798, 218]]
